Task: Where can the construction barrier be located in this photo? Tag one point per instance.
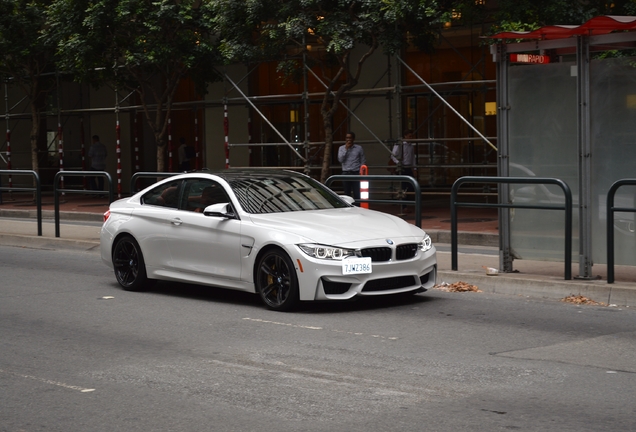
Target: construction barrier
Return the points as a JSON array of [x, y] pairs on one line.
[[364, 187]]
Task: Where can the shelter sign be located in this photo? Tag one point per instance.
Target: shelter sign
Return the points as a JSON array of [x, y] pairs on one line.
[[529, 58]]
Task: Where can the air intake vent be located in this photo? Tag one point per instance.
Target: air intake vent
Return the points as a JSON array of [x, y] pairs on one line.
[[335, 287], [378, 254], [405, 251], [388, 284]]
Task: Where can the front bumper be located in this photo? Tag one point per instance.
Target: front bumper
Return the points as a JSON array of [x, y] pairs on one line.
[[323, 280]]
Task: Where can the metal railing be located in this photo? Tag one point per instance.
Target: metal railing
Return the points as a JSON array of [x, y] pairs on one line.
[[388, 178], [57, 191], [610, 222], [515, 180], [138, 175], [37, 189]]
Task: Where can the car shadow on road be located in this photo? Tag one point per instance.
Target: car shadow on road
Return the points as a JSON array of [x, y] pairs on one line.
[[361, 304], [206, 293]]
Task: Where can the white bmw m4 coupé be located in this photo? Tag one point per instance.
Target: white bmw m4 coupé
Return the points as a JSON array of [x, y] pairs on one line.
[[280, 234]]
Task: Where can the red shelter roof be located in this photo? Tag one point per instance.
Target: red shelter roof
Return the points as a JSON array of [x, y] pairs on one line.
[[596, 26]]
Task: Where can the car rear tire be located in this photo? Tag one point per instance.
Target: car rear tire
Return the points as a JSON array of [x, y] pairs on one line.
[[276, 281], [128, 261]]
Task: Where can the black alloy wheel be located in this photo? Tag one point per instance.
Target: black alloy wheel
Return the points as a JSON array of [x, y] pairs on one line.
[[128, 261], [276, 281]]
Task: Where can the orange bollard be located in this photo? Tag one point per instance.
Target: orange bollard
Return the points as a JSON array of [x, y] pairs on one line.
[[364, 187]]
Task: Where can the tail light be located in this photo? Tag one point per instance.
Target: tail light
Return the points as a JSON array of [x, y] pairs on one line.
[[106, 215]]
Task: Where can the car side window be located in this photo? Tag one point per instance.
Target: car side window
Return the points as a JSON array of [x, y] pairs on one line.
[[165, 195], [200, 193]]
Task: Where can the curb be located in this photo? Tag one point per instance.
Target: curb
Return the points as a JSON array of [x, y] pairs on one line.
[[50, 214], [553, 289], [52, 243]]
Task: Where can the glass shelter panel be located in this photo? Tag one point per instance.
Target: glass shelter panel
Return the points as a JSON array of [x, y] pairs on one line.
[[613, 139], [542, 143]]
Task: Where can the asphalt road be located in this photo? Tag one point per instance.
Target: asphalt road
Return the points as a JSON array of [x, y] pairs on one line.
[[79, 354]]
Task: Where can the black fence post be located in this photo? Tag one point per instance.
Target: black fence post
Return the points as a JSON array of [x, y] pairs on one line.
[[37, 189], [610, 223], [515, 180], [56, 191]]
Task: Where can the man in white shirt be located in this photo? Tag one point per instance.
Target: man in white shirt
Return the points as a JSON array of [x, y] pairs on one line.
[[403, 156]]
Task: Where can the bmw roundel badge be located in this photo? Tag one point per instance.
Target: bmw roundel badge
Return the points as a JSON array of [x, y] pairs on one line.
[[389, 241]]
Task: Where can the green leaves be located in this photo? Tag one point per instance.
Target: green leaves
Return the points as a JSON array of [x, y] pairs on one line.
[[24, 51], [263, 29], [132, 37]]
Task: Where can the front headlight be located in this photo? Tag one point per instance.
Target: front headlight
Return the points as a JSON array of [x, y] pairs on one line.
[[425, 244], [326, 252]]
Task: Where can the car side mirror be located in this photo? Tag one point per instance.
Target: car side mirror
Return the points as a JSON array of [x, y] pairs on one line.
[[223, 210], [346, 198]]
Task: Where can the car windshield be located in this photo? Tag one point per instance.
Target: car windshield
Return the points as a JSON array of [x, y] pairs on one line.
[[263, 194]]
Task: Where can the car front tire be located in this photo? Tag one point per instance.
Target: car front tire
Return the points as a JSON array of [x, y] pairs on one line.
[[276, 281], [128, 262]]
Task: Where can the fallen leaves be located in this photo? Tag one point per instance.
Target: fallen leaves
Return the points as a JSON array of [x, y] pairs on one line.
[[466, 287], [457, 287], [581, 300]]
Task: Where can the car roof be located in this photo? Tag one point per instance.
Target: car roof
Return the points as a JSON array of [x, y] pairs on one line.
[[231, 175]]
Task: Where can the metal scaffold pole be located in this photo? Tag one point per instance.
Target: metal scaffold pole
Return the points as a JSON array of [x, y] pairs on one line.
[[118, 143], [197, 164], [83, 151], [269, 123], [60, 139], [226, 134], [8, 160], [469, 124], [170, 165], [136, 137], [306, 109], [349, 110]]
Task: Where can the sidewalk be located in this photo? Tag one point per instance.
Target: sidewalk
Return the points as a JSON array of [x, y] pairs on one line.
[[478, 248]]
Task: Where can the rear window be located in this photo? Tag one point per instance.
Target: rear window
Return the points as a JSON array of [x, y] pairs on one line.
[[284, 194]]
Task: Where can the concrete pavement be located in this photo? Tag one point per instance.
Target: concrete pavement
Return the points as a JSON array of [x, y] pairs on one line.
[[79, 230]]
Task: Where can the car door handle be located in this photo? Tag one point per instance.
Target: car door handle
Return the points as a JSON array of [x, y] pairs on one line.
[[176, 221]]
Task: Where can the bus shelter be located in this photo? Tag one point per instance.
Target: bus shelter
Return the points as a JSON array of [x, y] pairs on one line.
[[566, 109]]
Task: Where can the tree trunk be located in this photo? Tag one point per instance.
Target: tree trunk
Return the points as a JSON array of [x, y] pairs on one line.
[[161, 158], [159, 134], [327, 118]]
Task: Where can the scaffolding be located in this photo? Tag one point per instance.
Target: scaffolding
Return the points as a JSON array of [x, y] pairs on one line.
[[441, 155]]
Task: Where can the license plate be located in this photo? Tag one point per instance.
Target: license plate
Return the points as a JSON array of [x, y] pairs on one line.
[[356, 266]]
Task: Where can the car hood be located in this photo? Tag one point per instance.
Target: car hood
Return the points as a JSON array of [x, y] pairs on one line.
[[338, 226]]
